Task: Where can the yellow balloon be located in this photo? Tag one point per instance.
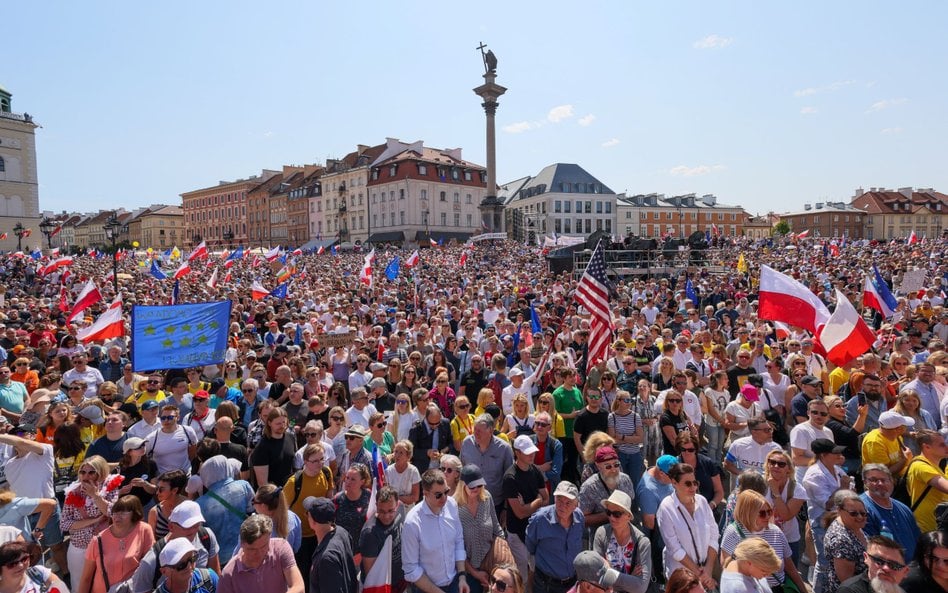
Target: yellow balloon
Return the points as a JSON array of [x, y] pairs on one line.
[[149, 250], [134, 243]]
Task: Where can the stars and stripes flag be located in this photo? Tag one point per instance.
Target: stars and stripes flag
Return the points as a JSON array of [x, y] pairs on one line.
[[593, 294]]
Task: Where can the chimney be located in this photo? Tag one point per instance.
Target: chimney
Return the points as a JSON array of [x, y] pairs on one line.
[[360, 148], [709, 199], [859, 191], [807, 207], [819, 205], [906, 191]]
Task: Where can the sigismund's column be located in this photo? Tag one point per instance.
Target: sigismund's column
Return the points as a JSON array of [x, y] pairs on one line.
[[490, 207]]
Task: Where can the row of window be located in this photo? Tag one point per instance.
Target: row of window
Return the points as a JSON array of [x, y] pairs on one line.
[[565, 206], [216, 232], [674, 215], [216, 200], [856, 218], [565, 225], [228, 213], [655, 230], [454, 173]]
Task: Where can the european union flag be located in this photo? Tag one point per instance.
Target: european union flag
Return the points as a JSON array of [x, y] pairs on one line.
[[535, 326], [332, 250], [156, 271], [179, 336], [175, 293], [281, 291], [690, 292], [37, 254], [391, 270], [237, 254]]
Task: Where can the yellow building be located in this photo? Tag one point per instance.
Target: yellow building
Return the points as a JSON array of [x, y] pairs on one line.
[[19, 186], [161, 227]]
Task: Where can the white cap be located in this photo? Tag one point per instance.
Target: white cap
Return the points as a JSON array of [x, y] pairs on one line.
[[187, 514], [525, 445], [892, 419], [515, 372], [175, 551]]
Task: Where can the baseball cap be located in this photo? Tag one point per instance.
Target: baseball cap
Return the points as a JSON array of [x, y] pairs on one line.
[[820, 446], [593, 568], [186, 514], [892, 419], [25, 428], [525, 445], [321, 509], [472, 476], [132, 444], [515, 372], [202, 394], [810, 380], [150, 405], [93, 414], [666, 462], [216, 384], [175, 551], [567, 489], [606, 453], [750, 393]]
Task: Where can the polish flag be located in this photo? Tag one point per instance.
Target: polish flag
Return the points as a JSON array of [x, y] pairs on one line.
[[297, 251], [63, 303], [256, 262], [321, 250], [463, 258], [433, 242], [212, 281], [183, 271], [55, 265], [803, 234], [3, 236], [64, 277], [412, 260], [109, 325], [227, 277], [199, 251], [257, 291], [379, 577], [273, 253], [845, 335], [782, 330], [54, 252], [56, 231], [784, 299], [913, 238], [366, 276], [88, 297], [876, 294]]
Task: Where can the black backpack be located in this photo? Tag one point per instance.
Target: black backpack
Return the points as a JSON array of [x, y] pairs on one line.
[[773, 416], [298, 483], [901, 491]]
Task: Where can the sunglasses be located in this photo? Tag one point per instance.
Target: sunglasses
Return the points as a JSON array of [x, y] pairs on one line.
[[401, 401], [688, 450], [611, 466], [856, 513], [171, 418], [184, 564], [336, 418], [440, 494], [463, 406], [498, 584], [380, 425], [673, 401], [776, 463], [542, 424], [352, 437], [310, 435], [890, 564], [764, 513], [689, 483], [615, 514]]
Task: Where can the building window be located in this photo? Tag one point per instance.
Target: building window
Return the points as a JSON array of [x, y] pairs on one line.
[[444, 196], [457, 198], [598, 224], [391, 195], [467, 176], [444, 219], [608, 225], [598, 207], [3, 165], [457, 219], [668, 216], [468, 199], [470, 220], [557, 226], [608, 207], [424, 194], [401, 218], [422, 169], [455, 175], [567, 206], [391, 170], [401, 194], [565, 188], [566, 226]]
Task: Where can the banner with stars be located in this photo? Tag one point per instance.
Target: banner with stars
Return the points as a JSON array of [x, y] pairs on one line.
[[179, 336]]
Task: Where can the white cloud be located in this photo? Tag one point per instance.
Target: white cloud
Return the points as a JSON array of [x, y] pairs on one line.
[[587, 119], [520, 126], [830, 88], [894, 130], [610, 143], [713, 42], [559, 113], [809, 110], [885, 104], [686, 171]]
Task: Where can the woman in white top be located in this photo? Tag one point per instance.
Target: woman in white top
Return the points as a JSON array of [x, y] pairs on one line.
[[776, 383], [739, 411], [716, 399], [786, 497], [403, 476], [688, 528]]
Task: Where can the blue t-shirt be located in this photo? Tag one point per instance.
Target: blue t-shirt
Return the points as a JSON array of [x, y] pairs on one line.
[[899, 519], [110, 450], [16, 512], [650, 493]]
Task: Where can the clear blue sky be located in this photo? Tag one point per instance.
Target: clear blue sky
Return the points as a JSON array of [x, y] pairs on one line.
[[767, 105]]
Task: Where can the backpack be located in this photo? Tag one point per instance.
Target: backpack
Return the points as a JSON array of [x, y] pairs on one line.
[[780, 435], [159, 545], [901, 491], [298, 483]]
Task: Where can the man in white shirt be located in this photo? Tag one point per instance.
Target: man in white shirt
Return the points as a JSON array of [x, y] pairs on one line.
[[149, 422], [803, 434], [80, 372], [751, 452]]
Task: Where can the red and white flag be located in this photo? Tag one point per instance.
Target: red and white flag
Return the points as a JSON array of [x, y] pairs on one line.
[[227, 277], [55, 265], [273, 253], [845, 335], [463, 258], [182, 271], [379, 577], [212, 281], [199, 251], [256, 262], [56, 231], [365, 277], [781, 298], [54, 252], [257, 291], [297, 251], [321, 250], [913, 238], [433, 242], [63, 303], [782, 330], [412, 260], [110, 324], [803, 234], [88, 297]]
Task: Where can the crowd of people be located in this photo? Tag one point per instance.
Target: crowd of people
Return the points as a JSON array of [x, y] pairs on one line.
[[448, 431]]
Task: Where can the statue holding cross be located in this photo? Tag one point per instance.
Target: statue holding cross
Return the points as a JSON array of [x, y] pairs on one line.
[[490, 60]]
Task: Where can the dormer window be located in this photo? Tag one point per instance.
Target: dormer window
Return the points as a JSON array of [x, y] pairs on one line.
[[467, 176], [422, 169], [392, 170]]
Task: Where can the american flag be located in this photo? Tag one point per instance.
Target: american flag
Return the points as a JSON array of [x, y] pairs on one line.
[[593, 294]]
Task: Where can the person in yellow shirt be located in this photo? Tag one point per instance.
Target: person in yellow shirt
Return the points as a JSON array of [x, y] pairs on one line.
[[152, 391], [314, 480], [840, 376], [462, 425], [927, 483], [884, 444]]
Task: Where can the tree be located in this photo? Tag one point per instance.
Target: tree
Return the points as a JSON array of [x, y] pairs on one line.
[[782, 228]]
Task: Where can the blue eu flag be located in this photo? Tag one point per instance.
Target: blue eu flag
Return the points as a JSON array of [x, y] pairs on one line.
[[690, 292], [391, 270], [179, 336], [156, 271]]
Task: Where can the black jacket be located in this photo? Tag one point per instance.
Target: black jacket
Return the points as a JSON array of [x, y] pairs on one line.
[[333, 569], [421, 439]]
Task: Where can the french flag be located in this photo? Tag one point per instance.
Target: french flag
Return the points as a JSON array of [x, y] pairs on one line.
[[89, 296], [845, 335], [412, 260], [784, 299], [877, 295]]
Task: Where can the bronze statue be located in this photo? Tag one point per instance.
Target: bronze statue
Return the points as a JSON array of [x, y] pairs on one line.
[[490, 60]]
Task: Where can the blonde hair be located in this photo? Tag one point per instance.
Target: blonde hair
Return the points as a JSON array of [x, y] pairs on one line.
[[619, 395], [485, 397], [99, 464], [749, 504], [759, 553], [460, 494], [593, 442], [271, 496], [791, 479]]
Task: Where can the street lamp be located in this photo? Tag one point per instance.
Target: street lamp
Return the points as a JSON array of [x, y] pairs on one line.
[[424, 214], [20, 232], [111, 227], [46, 227]]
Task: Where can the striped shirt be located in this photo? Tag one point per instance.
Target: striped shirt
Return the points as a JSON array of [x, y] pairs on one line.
[[626, 425]]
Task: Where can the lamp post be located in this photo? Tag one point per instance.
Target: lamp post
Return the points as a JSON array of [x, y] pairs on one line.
[[425, 214], [20, 232], [46, 227], [111, 227]]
